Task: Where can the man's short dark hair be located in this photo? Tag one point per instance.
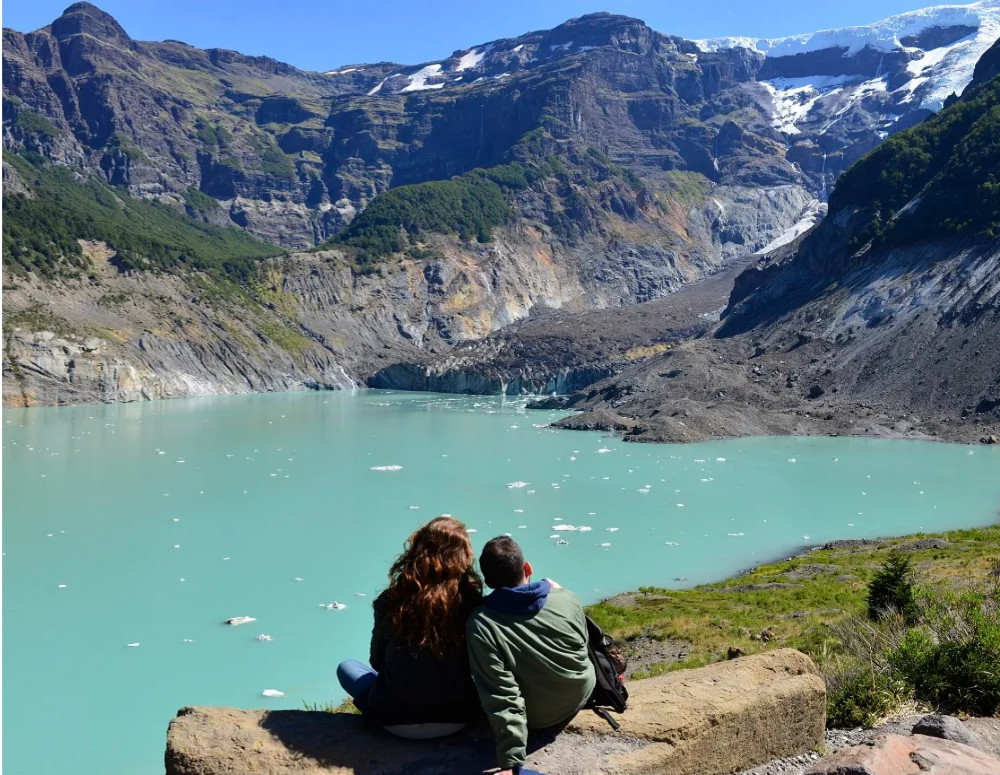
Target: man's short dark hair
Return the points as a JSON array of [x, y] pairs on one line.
[[502, 563]]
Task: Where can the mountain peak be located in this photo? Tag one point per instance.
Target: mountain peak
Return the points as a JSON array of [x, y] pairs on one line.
[[85, 18], [602, 29]]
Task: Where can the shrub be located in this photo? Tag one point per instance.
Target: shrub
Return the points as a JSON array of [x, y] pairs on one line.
[[953, 659], [862, 698], [891, 590]]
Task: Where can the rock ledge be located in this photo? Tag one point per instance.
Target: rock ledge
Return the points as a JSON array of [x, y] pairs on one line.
[[715, 719]]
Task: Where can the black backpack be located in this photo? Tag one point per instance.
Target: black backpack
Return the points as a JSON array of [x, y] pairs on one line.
[[609, 665]]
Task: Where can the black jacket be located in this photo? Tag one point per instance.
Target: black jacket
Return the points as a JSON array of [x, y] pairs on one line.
[[413, 685]]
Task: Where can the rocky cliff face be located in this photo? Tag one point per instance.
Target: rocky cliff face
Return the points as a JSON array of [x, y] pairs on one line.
[[308, 320]]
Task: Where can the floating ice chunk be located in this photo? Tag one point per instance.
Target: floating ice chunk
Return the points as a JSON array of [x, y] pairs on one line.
[[177, 546], [521, 527], [334, 606], [516, 485], [571, 457], [236, 621], [671, 543], [557, 519], [720, 460], [791, 460], [132, 645], [585, 528], [264, 638], [471, 530], [700, 460], [554, 536], [805, 538], [414, 508], [188, 640], [680, 505], [643, 490], [387, 468], [734, 535], [518, 511], [564, 528], [612, 529], [297, 578], [62, 586], [180, 460], [602, 450], [272, 693], [177, 519], [605, 544], [513, 427]]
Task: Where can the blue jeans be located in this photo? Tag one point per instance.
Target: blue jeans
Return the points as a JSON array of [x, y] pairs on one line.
[[355, 677]]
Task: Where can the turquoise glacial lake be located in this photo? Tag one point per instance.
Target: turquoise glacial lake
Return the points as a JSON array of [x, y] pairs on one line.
[[131, 532]]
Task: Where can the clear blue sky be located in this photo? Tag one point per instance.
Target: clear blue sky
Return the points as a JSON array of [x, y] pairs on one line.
[[323, 35]]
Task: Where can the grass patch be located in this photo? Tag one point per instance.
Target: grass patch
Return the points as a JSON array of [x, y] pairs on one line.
[[283, 336], [819, 604], [38, 317]]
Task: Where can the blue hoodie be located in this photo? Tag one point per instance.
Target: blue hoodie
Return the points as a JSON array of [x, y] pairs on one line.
[[525, 599]]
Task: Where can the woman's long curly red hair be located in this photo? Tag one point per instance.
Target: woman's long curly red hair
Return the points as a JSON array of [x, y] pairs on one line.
[[433, 587]]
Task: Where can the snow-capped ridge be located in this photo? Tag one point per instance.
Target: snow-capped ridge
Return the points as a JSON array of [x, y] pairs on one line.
[[883, 35]]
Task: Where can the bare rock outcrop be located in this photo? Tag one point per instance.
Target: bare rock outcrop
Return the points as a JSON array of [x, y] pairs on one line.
[[708, 721], [914, 755]]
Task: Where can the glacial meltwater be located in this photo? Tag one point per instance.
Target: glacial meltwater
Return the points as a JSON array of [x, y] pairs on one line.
[[132, 532]]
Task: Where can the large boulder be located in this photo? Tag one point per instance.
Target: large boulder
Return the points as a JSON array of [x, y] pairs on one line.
[[946, 728], [716, 719], [914, 755]]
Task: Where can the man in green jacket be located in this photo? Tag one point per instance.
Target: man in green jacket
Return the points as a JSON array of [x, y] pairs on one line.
[[528, 652]]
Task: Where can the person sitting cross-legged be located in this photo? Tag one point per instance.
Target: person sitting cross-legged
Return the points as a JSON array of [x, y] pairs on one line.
[[528, 652]]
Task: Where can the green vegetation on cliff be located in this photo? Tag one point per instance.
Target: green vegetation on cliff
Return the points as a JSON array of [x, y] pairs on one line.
[[574, 185], [942, 649], [945, 172], [470, 206], [41, 231]]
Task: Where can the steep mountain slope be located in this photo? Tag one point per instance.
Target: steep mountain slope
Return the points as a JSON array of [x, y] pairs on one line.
[[628, 164], [292, 156], [884, 319]]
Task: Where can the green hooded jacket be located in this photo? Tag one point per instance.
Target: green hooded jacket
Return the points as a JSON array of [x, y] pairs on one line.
[[529, 660]]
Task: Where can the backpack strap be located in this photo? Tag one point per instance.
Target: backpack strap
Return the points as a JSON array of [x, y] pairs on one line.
[[603, 713]]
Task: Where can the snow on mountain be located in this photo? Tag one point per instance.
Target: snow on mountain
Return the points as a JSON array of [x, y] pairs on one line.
[[883, 35], [936, 71], [794, 98], [471, 58], [418, 81]]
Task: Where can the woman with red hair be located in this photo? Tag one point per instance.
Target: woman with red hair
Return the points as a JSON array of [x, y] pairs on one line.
[[419, 683]]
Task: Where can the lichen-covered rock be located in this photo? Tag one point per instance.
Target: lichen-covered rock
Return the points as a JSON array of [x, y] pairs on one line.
[[708, 721]]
